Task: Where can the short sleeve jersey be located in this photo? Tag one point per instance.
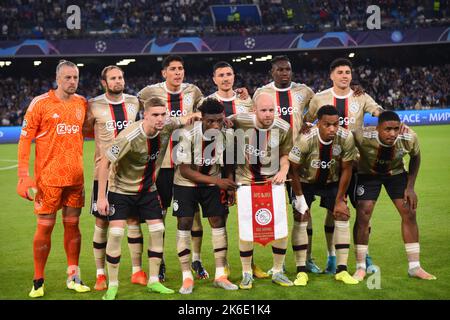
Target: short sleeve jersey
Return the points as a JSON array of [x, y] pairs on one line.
[[351, 109], [136, 158], [204, 152], [178, 104], [377, 158], [320, 161], [259, 150], [108, 119], [291, 103], [233, 105]]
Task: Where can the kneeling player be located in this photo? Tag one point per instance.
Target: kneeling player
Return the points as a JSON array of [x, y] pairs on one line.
[[198, 182], [381, 163], [321, 164]]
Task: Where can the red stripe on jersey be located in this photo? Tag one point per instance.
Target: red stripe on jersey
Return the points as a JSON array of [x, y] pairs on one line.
[[290, 105], [154, 162], [113, 117], [141, 184], [169, 106], [234, 106], [278, 103], [181, 103], [125, 113], [346, 114]]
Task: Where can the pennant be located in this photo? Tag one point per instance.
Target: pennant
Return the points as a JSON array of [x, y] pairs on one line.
[[262, 214]]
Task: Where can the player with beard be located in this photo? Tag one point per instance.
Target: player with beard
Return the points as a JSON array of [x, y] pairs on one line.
[[109, 114]]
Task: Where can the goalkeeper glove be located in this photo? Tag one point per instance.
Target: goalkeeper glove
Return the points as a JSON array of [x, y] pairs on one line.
[[24, 185], [300, 204]]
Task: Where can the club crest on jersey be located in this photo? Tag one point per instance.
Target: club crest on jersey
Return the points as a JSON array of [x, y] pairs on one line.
[[187, 99], [240, 109], [298, 97], [263, 216], [131, 108], [79, 114], [274, 140], [354, 107], [337, 150]]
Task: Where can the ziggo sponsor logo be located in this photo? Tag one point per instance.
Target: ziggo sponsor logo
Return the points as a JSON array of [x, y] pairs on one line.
[[286, 110], [64, 128], [113, 125]]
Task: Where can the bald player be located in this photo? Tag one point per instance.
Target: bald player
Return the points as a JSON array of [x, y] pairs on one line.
[[272, 165]]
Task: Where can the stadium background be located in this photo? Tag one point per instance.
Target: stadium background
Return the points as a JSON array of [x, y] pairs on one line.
[[409, 69]]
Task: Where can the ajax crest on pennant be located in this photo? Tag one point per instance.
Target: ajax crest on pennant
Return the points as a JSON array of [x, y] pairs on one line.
[[263, 216]]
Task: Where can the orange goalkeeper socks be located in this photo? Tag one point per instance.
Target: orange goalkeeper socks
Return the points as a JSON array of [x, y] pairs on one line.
[[72, 239], [42, 245]]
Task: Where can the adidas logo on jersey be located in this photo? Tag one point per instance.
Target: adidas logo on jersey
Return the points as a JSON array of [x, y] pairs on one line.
[[55, 116]]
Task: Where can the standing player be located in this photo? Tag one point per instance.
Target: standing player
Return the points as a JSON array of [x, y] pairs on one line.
[[55, 121], [197, 182], [223, 77], [233, 103], [181, 99], [351, 108], [136, 155], [109, 114], [268, 139], [321, 164], [381, 163], [292, 100]]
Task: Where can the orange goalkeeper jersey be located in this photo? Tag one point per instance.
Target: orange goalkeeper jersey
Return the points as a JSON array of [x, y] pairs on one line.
[[56, 126]]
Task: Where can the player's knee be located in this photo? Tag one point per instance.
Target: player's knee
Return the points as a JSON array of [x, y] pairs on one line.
[[217, 221], [197, 222], [364, 213], [410, 217], [302, 217], [133, 221], [71, 220], [185, 223], [102, 223], [45, 224], [156, 227], [341, 217]]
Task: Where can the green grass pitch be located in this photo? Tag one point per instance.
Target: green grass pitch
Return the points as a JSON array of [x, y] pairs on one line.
[[386, 247]]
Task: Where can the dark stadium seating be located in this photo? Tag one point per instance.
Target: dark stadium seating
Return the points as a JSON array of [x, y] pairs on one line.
[[412, 87], [149, 18]]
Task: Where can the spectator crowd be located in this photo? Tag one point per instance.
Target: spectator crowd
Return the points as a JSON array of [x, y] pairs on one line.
[[150, 18], [414, 87]]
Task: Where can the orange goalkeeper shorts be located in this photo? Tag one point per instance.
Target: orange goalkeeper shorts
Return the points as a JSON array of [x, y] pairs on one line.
[[49, 199]]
